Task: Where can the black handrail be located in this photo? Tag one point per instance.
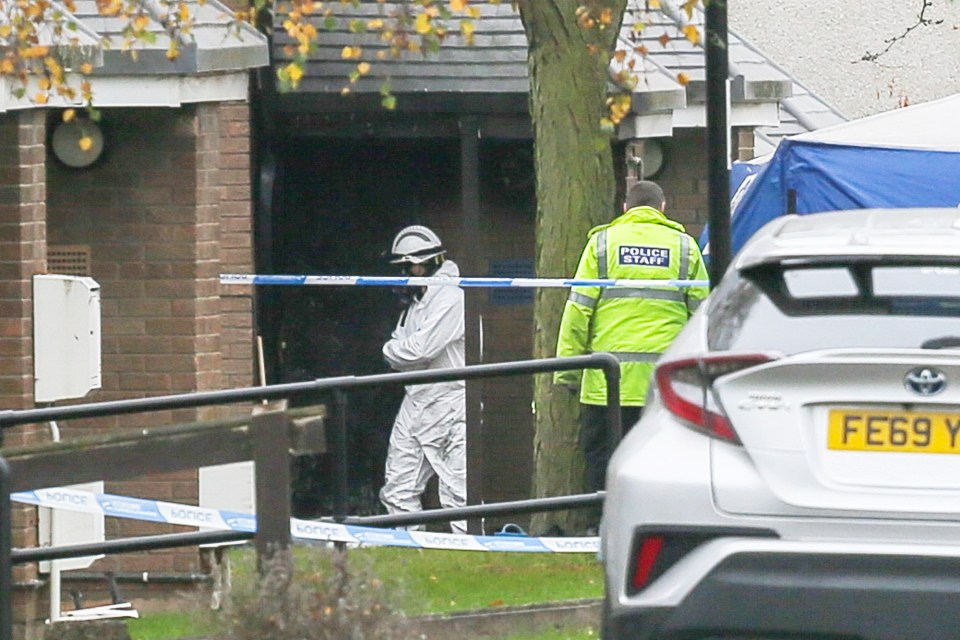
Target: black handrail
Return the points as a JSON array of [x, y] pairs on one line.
[[605, 361], [10, 418]]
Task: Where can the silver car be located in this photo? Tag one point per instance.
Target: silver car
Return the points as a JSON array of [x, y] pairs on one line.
[[796, 471]]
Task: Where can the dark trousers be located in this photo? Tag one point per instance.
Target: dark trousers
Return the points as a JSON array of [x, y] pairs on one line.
[[595, 440]]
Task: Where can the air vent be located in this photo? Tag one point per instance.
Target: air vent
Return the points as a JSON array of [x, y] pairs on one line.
[[69, 259]]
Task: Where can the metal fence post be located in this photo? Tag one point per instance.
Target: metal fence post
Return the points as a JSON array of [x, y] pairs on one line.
[[611, 371], [339, 451]]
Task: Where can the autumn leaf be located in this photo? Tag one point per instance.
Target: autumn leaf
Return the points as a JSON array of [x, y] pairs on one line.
[[692, 33], [363, 68], [351, 53], [69, 115], [664, 39], [295, 73], [654, 4], [467, 28], [620, 55], [34, 52], [41, 98], [422, 24], [86, 143], [86, 68], [458, 5], [683, 78]]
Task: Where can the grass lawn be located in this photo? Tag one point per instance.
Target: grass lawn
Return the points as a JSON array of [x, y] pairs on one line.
[[424, 582]]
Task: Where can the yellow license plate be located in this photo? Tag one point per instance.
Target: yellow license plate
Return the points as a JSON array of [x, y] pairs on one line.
[[907, 431]]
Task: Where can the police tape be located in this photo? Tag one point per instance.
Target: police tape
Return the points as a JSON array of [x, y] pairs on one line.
[[423, 281], [204, 517]]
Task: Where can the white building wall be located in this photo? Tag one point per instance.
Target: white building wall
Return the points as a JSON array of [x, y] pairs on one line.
[[822, 44]]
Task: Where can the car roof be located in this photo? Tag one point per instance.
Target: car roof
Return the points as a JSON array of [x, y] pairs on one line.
[[919, 232]]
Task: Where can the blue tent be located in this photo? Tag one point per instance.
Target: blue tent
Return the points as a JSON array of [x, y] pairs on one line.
[[908, 157]]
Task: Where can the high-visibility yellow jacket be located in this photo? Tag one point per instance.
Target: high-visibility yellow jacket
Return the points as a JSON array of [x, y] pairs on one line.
[[634, 324]]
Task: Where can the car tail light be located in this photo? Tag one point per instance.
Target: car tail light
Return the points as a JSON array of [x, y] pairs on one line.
[[647, 555], [686, 387], [655, 551]]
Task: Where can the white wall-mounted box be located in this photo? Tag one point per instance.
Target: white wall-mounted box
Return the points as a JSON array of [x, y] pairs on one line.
[[66, 337]]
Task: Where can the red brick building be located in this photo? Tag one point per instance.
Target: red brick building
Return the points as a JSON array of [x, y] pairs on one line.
[[154, 220]]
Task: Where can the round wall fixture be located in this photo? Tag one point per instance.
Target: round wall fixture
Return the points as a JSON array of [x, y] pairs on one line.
[[652, 157], [78, 143]]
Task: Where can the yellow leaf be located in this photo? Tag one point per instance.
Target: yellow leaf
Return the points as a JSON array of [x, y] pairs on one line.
[[351, 53], [33, 52], [86, 68], [692, 33], [683, 79], [7, 67], [5, 30], [86, 142], [458, 5], [41, 98], [654, 4], [363, 68], [467, 28], [69, 115], [295, 73], [422, 25], [375, 25]]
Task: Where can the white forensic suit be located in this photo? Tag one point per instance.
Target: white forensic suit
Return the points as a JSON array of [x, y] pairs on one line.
[[429, 434]]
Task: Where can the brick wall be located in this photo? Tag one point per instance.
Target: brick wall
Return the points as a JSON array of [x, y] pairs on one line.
[[236, 245], [22, 254], [164, 213], [684, 178]]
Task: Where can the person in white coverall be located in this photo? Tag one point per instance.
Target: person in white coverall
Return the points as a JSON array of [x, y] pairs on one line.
[[429, 433]]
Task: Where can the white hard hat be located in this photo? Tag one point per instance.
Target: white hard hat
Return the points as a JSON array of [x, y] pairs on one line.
[[415, 244]]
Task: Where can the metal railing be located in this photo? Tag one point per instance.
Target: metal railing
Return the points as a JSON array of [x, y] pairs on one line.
[[273, 519]]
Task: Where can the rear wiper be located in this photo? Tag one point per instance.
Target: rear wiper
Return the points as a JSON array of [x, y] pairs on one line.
[[945, 342]]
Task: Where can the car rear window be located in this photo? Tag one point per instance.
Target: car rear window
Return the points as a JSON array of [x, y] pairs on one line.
[[801, 306]]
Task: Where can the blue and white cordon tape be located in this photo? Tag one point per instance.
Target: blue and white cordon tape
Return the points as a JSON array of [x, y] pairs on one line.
[[207, 518], [423, 281]]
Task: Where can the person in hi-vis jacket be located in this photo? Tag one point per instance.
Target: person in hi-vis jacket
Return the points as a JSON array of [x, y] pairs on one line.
[[429, 433], [634, 324]]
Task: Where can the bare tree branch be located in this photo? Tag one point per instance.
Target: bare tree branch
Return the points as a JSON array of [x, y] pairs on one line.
[[922, 21]]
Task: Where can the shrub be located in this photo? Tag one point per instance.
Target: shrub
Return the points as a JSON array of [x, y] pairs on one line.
[[324, 596]]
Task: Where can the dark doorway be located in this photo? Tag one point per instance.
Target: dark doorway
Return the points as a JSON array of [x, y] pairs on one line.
[[340, 204]]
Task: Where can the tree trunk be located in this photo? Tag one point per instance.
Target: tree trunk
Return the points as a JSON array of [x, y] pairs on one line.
[[575, 190]]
